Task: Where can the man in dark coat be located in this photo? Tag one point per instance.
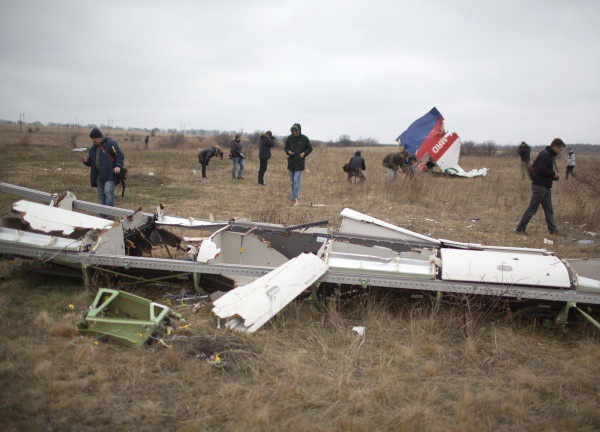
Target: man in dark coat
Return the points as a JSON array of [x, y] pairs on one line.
[[237, 156], [264, 154], [297, 147], [205, 156], [356, 166], [525, 154], [544, 173], [105, 159], [391, 163]]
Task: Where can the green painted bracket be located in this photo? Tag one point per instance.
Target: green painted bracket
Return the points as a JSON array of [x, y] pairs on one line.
[[562, 317], [316, 306], [125, 317]]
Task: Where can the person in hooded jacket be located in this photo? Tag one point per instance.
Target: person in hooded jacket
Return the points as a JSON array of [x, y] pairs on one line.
[[205, 156], [544, 174], [297, 147], [356, 166], [267, 141], [105, 159]]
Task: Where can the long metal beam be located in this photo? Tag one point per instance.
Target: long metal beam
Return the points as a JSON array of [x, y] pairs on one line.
[[346, 278]]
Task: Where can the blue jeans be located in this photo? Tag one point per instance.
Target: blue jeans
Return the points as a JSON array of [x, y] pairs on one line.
[[295, 180], [106, 192], [237, 160]]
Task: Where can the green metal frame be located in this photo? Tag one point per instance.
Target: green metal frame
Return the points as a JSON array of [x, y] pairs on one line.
[[125, 317]]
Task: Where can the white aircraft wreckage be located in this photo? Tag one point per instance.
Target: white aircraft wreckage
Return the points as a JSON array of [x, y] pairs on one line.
[[263, 267]]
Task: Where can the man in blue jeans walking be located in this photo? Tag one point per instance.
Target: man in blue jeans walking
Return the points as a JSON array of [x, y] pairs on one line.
[[105, 159], [297, 147]]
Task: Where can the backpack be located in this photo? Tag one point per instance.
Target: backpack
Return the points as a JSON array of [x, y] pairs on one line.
[[346, 167], [531, 169]]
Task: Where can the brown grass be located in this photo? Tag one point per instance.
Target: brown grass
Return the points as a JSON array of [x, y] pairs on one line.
[[420, 368]]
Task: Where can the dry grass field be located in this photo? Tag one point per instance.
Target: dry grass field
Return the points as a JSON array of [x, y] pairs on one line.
[[420, 368]]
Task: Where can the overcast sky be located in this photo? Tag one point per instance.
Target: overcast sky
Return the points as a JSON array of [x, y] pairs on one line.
[[497, 70]]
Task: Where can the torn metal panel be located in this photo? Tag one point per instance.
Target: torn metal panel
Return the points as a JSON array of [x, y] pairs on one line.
[[208, 251], [359, 223], [237, 248], [53, 219], [260, 300], [64, 201], [125, 317], [507, 268], [41, 241], [377, 260], [163, 219], [109, 242]]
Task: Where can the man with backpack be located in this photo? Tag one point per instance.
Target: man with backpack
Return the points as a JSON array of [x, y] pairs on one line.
[[544, 174], [105, 159]]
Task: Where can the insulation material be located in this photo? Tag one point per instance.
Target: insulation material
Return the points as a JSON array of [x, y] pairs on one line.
[[254, 304]]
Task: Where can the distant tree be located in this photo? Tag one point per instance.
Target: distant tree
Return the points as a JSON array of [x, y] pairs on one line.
[[71, 134], [154, 131], [174, 140], [489, 148]]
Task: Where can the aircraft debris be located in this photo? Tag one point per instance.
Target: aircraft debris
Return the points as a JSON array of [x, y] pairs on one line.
[[126, 318], [426, 136], [364, 252], [251, 306]]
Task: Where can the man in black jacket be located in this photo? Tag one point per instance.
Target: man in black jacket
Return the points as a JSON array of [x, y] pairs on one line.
[[205, 156], [297, 147], [264, 154], [544, 173], [525, 154], [356, 166]]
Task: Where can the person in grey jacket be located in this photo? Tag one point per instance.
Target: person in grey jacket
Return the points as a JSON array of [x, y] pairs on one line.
[[267, 141], [570, 163], [544, 174]]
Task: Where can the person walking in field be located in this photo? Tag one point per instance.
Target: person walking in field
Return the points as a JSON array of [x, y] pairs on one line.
[[570, 163], [391, 163], [356, 166], [105, 159], [237, 156], [297, 147], [267, 141], [205, 156], [525, 155], [544, 173]]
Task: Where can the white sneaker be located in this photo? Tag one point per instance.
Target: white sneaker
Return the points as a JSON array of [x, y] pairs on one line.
[[295, 202]]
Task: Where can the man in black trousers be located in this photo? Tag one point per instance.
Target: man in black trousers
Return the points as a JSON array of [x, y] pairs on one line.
[[545, 173], [267, 141]]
